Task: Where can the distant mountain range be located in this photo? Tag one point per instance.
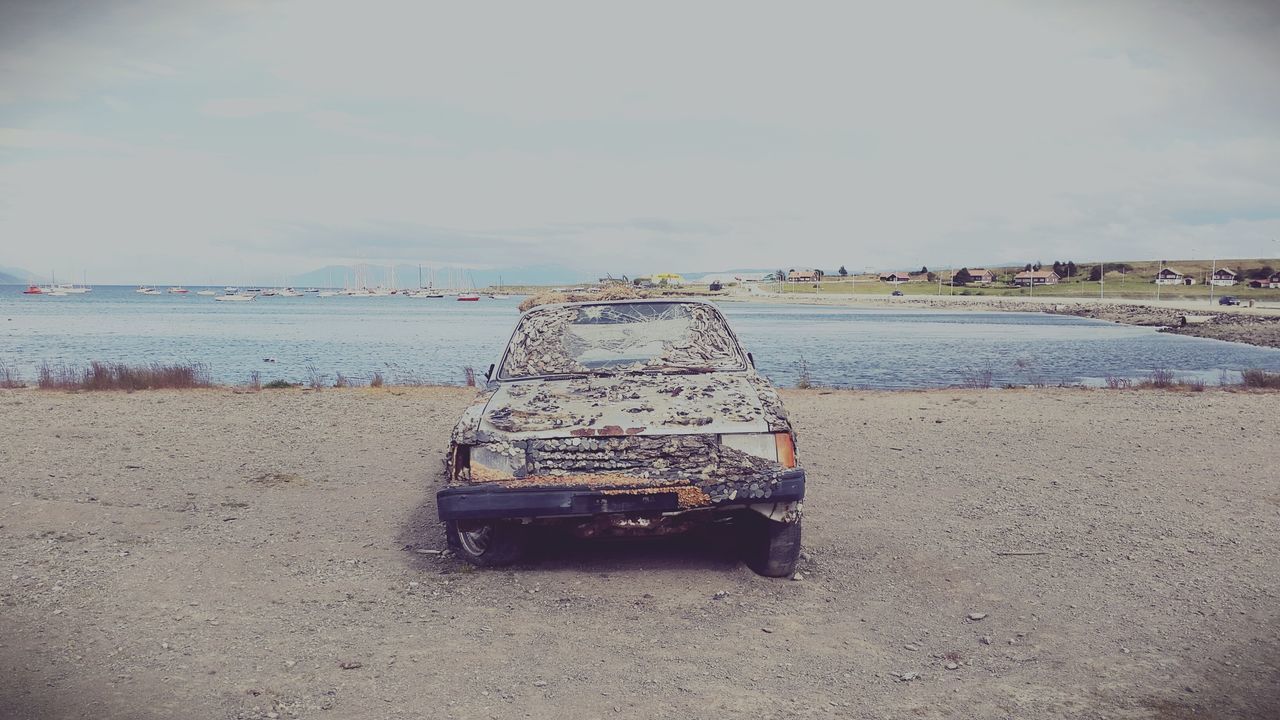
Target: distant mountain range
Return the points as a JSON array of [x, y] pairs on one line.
[[16, 276], [406, 276]]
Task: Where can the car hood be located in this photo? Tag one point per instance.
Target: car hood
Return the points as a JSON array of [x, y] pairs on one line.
[[635, 404]]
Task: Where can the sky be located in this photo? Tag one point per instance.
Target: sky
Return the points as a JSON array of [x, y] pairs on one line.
[[217, 141]]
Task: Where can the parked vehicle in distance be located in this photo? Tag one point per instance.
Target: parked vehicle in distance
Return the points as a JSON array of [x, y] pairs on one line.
[[1228, 300], [623, 418], [896, 293]]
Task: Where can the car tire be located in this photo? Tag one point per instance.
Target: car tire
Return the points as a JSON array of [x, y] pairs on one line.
[[772, 547], [487, 544]]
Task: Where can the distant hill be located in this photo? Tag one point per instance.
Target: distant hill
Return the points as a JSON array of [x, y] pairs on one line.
[[406, 276], [16, 276]]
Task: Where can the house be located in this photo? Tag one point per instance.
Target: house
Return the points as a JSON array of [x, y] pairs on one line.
[[1169, 276], [1223, 277], [895, 278], [981, 275], [1271, 281], [804, 275], [1036, 277]]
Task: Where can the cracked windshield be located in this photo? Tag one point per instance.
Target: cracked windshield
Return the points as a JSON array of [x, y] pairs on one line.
[[631, 337]]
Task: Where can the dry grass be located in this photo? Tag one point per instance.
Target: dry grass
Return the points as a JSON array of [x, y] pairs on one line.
[[121, 376], [1256, 378], [10, 378]]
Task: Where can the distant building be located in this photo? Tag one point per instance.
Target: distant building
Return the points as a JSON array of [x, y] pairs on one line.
[[1036, 277], [1169, 276], [1223, 277], [1272, 281], [895, 278], [804, 275], [981, 275], [671, 278]]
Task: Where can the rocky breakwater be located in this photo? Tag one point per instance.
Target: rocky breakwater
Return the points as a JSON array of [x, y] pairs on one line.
[[1261, 330]]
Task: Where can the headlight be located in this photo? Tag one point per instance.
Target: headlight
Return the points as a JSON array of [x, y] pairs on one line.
[[777, 447], [496, 461]]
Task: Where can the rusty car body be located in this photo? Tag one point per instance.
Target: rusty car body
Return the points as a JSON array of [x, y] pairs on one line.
[[623, 417]]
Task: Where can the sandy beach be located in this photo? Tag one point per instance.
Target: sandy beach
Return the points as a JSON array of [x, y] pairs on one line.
[[218, 554]]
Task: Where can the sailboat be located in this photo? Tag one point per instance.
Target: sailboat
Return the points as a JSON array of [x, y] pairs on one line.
[[426, 291], [470, 295], [499, 295], [52, 288]]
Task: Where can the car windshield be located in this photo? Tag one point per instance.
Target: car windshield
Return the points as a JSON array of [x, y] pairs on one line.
[[619, 338]]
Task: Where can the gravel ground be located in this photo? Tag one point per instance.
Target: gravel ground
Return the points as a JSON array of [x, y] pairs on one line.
[[213, 554]]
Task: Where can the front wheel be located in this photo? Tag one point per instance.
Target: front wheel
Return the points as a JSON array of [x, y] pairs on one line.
[[772, 548], [488, 544]]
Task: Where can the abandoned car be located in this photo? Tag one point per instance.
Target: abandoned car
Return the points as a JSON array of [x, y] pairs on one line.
[[623, 418]]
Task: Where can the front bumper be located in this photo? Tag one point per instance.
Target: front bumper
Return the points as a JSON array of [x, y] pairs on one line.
[[489, 502]]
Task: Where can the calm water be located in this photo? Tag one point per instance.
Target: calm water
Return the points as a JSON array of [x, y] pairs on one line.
[[432, 340]]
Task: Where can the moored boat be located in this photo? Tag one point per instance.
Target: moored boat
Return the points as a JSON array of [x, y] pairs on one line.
[[178, 290], [468, 297], [33, 290], [238, 297]]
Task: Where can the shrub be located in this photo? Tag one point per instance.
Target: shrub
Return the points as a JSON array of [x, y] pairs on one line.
[[255, 380], [341, 381], [315, 380], [977, 379], [278, 385], [10, 378], [1118, 383], [376, 380], [121, 376], [469, 373], [1160, 378], [804, 380], [1258, 378]]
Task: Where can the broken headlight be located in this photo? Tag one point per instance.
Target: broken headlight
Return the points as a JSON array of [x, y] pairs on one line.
[[776, 447], [496, 461]]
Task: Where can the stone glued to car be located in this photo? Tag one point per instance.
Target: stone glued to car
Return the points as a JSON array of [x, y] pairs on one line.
[[624, 418]]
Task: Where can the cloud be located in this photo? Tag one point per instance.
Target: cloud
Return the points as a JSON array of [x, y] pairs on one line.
[[639, 138], [250, 107], [25, 139]]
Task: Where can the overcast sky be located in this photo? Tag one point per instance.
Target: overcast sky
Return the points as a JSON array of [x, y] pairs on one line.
[[185, 142]]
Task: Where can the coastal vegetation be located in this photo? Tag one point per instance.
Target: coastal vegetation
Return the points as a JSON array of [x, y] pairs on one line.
[[99, 375]]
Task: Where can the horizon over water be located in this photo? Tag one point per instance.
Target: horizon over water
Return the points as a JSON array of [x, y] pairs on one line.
[[412, 340]]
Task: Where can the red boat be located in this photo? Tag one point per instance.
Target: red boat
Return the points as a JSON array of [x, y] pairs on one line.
[[32, 290], [468, 297]]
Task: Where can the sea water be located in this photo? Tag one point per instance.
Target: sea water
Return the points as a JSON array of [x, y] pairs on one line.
[[432, 340]]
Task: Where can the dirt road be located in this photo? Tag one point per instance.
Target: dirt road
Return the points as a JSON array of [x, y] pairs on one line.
[[208, 554]]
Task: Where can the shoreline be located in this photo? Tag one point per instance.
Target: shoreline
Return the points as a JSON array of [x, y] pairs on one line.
[[1258, 326]]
